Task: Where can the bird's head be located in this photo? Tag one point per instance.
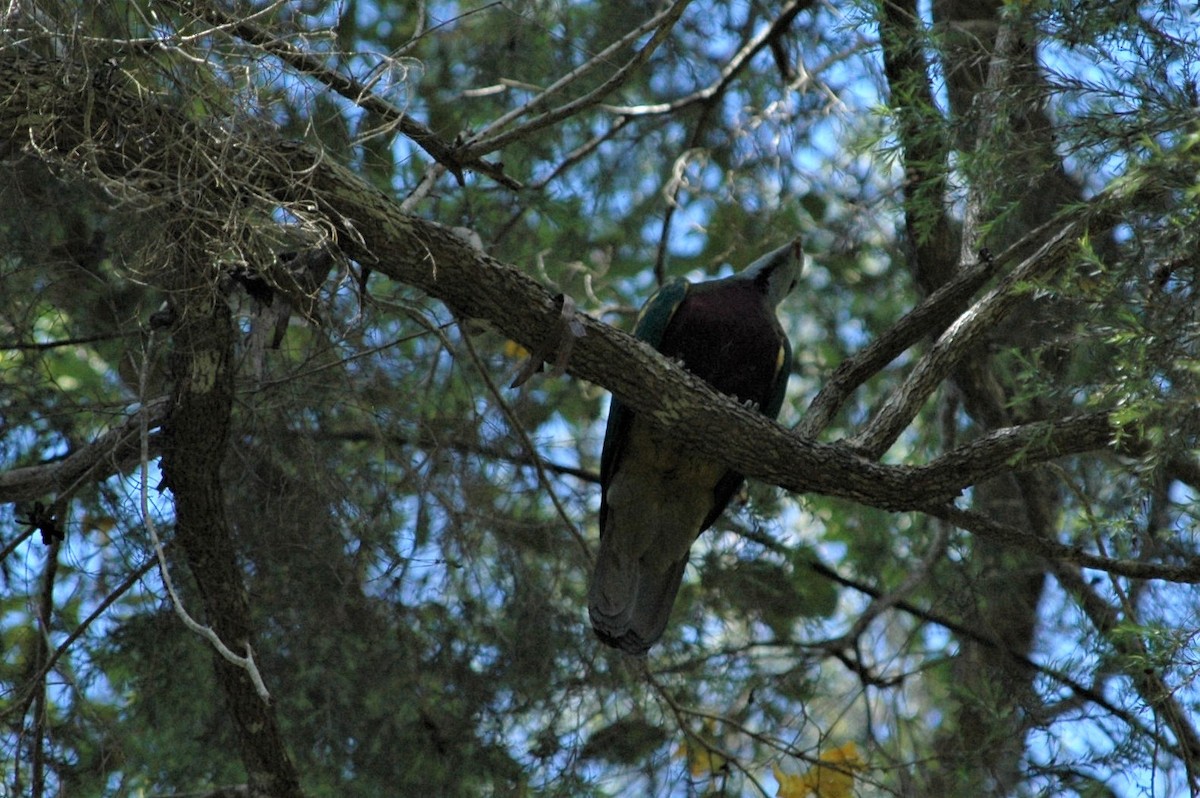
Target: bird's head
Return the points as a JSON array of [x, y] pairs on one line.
[[777, 273]]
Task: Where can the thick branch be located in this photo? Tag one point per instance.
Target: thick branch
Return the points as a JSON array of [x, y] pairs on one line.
[[196, 438], [114, 451], [957, 342], [424, 254], [371, 229]]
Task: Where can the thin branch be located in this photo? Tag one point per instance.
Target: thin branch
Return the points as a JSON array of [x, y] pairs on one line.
[[19, 708], [1005, 534], [672, 190], [679, 711], [1145, 678], [17, 541], [968, 633], [525, 460], [965, 632], [44, 346], [571, 159], [518, 429], [882, 602], [662, 23], [737, 62], [455, 160]]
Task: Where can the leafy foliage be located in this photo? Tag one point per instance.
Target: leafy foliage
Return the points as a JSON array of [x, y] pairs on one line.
[[413, 538]]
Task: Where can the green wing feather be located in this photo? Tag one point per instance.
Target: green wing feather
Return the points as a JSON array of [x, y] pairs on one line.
[[652, 322]]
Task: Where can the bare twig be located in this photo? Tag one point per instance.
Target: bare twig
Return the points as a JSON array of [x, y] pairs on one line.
[[490, 138], [518, 429], [455, 160], [19, 708], [737, 62], [884, 601]]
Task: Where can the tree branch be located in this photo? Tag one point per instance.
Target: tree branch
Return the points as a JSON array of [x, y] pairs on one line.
[[959, 339], [737, 62], [921, 129], [985, 527], [1137, 664], [353, 90], [116, 450], [196, 437], [490, 138], [370, 228]]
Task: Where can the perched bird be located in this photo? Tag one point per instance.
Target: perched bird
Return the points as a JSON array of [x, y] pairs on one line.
[[656, 496]]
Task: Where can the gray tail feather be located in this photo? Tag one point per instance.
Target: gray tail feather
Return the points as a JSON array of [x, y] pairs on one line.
[[630, 604]]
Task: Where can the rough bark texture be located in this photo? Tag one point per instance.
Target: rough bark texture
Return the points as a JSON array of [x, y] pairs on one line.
[[92, 121], [196, 439], [981, 743]]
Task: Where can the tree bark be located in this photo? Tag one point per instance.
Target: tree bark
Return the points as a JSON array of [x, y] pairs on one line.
[[195, 441], [92, 120], [998, 591]]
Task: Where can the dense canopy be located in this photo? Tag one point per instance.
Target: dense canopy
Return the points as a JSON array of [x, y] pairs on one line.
[[311, 312]]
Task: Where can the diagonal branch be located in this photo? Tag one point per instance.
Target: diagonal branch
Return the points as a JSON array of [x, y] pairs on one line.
[[490, 139], [351, 89], [931, 315], [371, 228], [987, 528], [1136, 662], [737, 62], [116, 450], [959, 339]]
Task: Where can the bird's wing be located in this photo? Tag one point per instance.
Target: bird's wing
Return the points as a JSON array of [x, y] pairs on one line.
[[783, 370], [652, 322]]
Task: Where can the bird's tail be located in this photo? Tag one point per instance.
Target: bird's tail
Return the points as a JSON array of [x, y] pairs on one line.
[[629, 601]]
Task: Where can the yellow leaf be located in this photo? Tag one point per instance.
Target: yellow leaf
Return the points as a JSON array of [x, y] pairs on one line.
[[514, 350], [701, 761], [831, 777]]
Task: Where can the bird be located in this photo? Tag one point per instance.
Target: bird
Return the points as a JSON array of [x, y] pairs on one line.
[[656, 496]]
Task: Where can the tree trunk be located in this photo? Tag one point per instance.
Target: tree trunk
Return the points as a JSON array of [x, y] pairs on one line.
[[195, 442]]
